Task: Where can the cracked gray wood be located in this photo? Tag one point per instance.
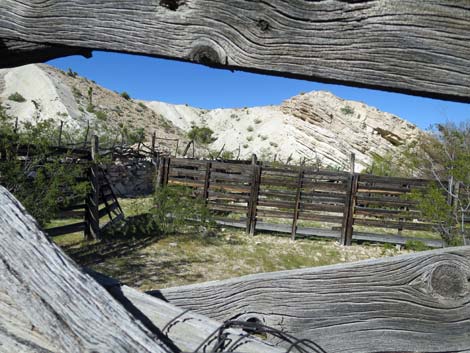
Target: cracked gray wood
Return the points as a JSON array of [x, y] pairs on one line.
[[407, 46], [48, 304], [412, 303]]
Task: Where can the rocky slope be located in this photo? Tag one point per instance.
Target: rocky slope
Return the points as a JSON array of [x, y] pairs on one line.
[[50, 93], [315, 126]]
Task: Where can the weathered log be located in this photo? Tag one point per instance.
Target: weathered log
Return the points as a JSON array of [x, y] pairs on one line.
[[408, 46], [48, 304], [187, 329], [412, 303], [16, 53]]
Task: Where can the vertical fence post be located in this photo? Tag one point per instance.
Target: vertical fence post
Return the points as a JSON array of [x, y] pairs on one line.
[[207, 177], [154, 140], [92, 220], [349, 205], [297, 203], [163, 171], [60, 132], [254, 193]]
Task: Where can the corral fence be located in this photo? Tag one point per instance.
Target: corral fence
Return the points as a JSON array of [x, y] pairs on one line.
[[304, 201]]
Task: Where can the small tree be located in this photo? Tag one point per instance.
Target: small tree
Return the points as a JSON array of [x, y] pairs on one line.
[[202, 135], [444, 155], [37, 179]]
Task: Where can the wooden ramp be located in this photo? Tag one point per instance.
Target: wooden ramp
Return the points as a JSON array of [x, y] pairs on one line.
[[111, 208]]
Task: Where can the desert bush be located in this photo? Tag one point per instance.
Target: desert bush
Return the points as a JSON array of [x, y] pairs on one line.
[[39, 182], [257, 121], [202, 135], [415, 245], [177, 207], [101, 115], [250, 128], [347, 110], [249, 138], [16, 97], [125, 95], [71, 73]]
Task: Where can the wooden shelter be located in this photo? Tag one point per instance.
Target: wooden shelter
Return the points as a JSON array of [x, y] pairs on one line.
[[417, 303]]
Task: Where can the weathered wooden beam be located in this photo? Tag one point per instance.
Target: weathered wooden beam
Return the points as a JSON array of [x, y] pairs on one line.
[[414, 47], [188, 330], [412, 303], [18, 52], [48, 304]]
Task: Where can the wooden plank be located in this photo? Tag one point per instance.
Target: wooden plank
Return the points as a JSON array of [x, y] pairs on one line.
[[278, 204], [67, 229], [230, 177], [322, 207], [54, 299], [213, 195], [229, 208], [188, 330], [180, 172], [413, 303], [318, 41], [207, 177], [108, 209], [307, 216], [392, 224], [186, 182]]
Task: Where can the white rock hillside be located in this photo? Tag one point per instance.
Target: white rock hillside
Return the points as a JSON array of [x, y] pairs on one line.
[[315, 125]]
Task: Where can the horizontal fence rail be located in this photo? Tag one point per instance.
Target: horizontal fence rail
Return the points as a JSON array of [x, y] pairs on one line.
[[303, 200]]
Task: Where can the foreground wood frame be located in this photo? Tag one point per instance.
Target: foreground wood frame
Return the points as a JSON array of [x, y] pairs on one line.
[[416, 47], [414, 303]]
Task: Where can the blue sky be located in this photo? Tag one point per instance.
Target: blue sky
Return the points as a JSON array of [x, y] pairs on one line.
[[183, 83]]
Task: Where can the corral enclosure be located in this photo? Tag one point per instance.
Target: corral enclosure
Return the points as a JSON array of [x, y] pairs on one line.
[[305, 201], [414, 303]]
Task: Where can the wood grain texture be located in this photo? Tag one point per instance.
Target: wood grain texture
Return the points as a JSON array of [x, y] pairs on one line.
[[188, 330], [406, 46], [412, 303], [48, 304], [16, 53]]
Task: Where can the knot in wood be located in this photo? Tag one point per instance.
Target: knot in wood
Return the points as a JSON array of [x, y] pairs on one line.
[[263, 25], [172, 4], [205, 55], [449, 281]]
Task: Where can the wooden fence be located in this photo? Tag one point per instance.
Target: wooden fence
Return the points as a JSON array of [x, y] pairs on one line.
[[302, 200]]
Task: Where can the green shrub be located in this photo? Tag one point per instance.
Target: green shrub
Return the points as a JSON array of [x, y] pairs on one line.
[[249, 138], [71, 73], [90, 108], [126, 96], [258, 121], [101, 115], [347, 110], [250, 128], [39, 184], [227, 155], [416, 245], [142, 105], [273, 144], [245, 146], [176, 208], [202, 135], [16, 97]]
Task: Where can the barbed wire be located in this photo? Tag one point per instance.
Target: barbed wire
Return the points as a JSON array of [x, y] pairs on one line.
[[221, 341]]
